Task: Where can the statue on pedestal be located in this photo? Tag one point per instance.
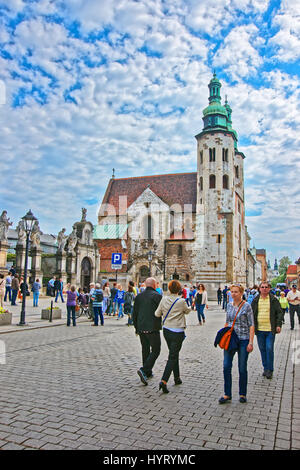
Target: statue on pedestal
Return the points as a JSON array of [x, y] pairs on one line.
[[72, 241], [61, 241], [21, 233], [83, 217], [4, 225], [35, 235]]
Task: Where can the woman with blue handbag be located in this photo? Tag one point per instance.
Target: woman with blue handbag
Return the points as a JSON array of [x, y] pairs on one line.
[[173, 310], [239, 314]]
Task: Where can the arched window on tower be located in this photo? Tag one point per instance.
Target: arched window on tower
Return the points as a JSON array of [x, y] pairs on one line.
[[212, 154], [212, 181], [201, 183], [225, 155], [201, 157], [225, 182]]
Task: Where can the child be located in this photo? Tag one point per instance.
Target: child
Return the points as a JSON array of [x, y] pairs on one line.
[[119, 298]]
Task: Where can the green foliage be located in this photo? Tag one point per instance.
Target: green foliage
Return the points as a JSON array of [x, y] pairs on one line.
[[280, 278], [283, 265]]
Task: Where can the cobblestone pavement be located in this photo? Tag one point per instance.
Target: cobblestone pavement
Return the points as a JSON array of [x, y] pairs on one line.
[[77, 388]]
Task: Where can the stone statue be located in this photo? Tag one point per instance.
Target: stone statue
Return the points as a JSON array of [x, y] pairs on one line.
[[35, 235], [83, 217], [4, 224], [21, 232], [72, 241], [61, 241]]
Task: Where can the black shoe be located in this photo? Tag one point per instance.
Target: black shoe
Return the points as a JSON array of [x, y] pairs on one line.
[[163, 387], [269, 374], [142, 376], [223, 400], [243, 399], [178, 381]]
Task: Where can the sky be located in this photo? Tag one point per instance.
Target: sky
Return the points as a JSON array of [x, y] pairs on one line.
[[91, 85]]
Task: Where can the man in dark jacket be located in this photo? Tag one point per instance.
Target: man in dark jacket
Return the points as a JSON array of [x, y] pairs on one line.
[[148, 327], [268, 321]]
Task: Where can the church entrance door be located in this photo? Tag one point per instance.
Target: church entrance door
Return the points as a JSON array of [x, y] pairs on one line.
[[144, 273], [86, 272]]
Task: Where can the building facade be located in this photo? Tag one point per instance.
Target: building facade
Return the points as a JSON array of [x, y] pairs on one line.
[[185, 225]]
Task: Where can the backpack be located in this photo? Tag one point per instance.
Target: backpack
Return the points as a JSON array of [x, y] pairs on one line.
[[128, 299], [98, 296]]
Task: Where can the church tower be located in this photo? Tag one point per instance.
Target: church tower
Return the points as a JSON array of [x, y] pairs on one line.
[[220, 256]]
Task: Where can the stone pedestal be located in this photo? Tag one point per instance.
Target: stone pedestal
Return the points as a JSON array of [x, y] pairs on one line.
[[36, 264], [20, 258], [5, 318], [56, 314], [71, 268], [3, 256], [61, 266]]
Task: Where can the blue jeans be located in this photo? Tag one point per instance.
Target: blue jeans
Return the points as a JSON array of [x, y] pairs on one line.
[[200, 312], [59, 292], [97, 312], [71, 310], [35, 298], [7, 291], [120, 314], [265, 341], [14, 296], [242, 363]]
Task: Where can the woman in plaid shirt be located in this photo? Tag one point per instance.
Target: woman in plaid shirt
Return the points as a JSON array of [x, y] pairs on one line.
[[244, 328]]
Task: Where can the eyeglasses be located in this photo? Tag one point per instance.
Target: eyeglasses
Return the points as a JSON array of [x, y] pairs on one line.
[[265, 287]]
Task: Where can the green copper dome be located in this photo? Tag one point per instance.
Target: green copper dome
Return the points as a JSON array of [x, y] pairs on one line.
[[215, 108]]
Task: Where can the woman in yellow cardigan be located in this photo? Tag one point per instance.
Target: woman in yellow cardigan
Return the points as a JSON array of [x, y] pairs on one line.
[[284, 304]]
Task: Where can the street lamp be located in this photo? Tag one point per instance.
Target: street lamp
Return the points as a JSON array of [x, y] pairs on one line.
[[28, 221], [150, 257]]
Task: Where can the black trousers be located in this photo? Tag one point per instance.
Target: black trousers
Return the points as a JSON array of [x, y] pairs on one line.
[[150, 350], [294, 309], [174, 342]]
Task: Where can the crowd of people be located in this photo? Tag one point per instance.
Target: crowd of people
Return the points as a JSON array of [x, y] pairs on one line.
[[258, 311]]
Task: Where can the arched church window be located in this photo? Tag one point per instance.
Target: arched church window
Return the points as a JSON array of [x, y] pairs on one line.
[[212, 154], [225, 182], [148, 227], [212, 181], [225, 155]]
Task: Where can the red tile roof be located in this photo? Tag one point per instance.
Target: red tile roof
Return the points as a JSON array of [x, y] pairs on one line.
[[292, 269], [177, 188]]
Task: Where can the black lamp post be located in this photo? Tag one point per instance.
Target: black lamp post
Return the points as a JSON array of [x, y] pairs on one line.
[[28, 221]]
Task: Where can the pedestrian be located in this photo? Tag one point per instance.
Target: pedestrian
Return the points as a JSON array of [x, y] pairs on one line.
[[50, 287], [119, 299], [172, 309], [36, 286], [58, 289], [201, 302], [268, 321], [71, 304], [12, 271], [244, 328], [148, 327], [2, 289], [284, 304], [128, 303], [293, 298], [106, 296], [219, 296], [81, 297], [8, 280], [113, 304], [224, 292], [15, 286], [159, 289], [97, 298], [92, 288]]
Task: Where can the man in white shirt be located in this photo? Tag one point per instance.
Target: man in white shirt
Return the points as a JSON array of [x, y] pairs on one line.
[[293, 298]]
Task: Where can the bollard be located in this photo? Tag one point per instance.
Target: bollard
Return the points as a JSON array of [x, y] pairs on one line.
[[50, 317]]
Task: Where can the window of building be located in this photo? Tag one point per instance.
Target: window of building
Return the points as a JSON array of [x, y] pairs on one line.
[[148, 227], [225, 155], [201, 156], [236, 168], [179, 250], [201, 183], [212, 181], [212, 154], [225, 182]]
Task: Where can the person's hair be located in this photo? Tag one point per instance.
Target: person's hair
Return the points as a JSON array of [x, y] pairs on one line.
[[37, 280], [2, 276], [73, 288], [131, 283], [79, 290], [17, 276], [114, 284], [106, 284], [174, 286], [92, 283], [265, 282], [130, 287], [201, 285], [97, 286], [239, 286]]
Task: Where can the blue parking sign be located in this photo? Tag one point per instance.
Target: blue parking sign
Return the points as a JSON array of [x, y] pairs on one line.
[[116, 260]]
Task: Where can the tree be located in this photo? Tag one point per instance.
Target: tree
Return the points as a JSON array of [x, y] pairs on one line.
[[284, 264]]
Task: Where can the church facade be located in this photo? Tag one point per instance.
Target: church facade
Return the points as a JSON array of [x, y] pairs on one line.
[[189, 226]]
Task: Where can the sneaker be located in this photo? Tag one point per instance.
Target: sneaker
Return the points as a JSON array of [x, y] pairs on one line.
[[243, 399], [269, 374], [223, 400], [142, 376]]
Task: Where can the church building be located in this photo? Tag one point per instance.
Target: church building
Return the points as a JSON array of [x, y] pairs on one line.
[[189, 226]]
